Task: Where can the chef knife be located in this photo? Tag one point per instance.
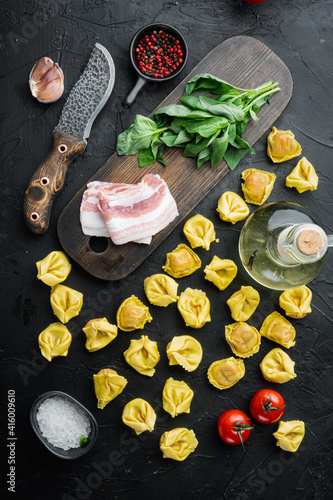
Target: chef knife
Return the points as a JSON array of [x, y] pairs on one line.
[[84, 102]]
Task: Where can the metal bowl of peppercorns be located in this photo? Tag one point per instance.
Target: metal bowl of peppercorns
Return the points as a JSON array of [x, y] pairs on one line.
[[158, 52]]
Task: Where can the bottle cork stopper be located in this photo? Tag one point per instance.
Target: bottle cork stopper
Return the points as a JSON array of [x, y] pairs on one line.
[[309, 241]]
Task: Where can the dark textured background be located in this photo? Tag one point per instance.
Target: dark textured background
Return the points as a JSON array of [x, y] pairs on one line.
[[300, 33]]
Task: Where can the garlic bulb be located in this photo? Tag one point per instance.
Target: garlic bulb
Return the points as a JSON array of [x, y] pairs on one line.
[[46, 80]]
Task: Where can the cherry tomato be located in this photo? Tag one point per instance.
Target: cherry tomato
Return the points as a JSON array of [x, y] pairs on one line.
[[267, 406], [254, 1], [234, 427]]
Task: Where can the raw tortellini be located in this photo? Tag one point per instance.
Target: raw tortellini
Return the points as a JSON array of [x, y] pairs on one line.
[[194, 306], [221, 272], [139, 415], [54, 268], [143, 355], [290, 435], [243, 339], [178, 443], [278, 329], [282, 145], [277, 366], [199, 231], [243, 303], [225, 373], [132, 315], [303, 177], [185, 351], [296, 302], [99, 333], [232, 208], [181, 262], [54, 341], [177, 397], [257, 185], [108, 385], [161, 290], [65, 302]]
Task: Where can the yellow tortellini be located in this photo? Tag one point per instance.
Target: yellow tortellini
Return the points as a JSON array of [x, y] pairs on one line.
[[232, 208], [303, 177], [199, 231], [243, 339], [277, 366], [243, 303], [185, 351], [177, 397], [54, 341], [178, 443], [132, 315], [225, 373], [194, 306], [282, 145], [296, 302], [54, 268], [290, 435], [139, 415], [143, 355], [161, 290], [181, 262], [108, 385], [221, 272], [65, 302], [257, 185], [99, 333], [278, 329]]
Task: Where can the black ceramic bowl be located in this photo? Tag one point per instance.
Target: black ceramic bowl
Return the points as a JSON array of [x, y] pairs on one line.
[[72, 453], [143, 79]]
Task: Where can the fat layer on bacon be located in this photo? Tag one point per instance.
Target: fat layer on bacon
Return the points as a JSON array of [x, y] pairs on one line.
[[139, 212], [92, 220]]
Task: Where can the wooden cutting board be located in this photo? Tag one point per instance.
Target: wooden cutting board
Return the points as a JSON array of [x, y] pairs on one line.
[[242, 61]]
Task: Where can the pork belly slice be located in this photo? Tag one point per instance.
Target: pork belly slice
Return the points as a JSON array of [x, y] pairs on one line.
[[92, 220], [140, 212]]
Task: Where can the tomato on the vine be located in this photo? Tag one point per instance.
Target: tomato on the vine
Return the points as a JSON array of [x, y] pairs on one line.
[[234, 427], [267, 406]]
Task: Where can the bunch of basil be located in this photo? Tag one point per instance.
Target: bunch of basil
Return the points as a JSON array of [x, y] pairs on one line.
[[207, 129]]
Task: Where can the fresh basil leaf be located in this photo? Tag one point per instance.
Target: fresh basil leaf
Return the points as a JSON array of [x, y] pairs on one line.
[[183, 137], [192, 150], [233, 156], [174, 125], [208, 83], [203, 156], [218, 147], [168, 138], [227, 109], [232, 132], [159, 156], [206, 128], [173, 110], [192, 102], [146, 157], [228, 96], [138, 136], [241, 143]]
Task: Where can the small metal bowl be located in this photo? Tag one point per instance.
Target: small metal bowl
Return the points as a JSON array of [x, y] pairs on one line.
[[72, 453], [142, 80]]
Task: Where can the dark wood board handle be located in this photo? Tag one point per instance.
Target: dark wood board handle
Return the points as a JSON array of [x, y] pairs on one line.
[[48, 180], [243, 61]]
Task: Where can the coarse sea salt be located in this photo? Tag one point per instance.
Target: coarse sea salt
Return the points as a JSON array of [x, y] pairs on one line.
[[62, 423]]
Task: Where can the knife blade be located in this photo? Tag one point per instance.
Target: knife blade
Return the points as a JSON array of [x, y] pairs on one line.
[[84, 102]]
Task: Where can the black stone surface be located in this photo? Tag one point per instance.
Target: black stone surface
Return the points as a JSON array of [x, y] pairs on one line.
[[122, 465]]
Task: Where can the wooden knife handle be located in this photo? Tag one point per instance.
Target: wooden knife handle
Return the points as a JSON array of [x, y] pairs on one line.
[[48, 180]]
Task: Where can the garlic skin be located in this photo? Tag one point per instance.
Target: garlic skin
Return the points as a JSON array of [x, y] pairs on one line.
[[46, 81]]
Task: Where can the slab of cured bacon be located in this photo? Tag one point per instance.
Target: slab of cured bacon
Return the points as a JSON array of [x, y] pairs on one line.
[[127, 212]]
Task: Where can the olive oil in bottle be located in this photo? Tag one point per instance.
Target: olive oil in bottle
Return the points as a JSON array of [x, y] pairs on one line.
[[283, 245]]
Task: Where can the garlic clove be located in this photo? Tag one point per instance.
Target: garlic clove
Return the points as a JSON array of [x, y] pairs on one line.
[[46, 81]]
